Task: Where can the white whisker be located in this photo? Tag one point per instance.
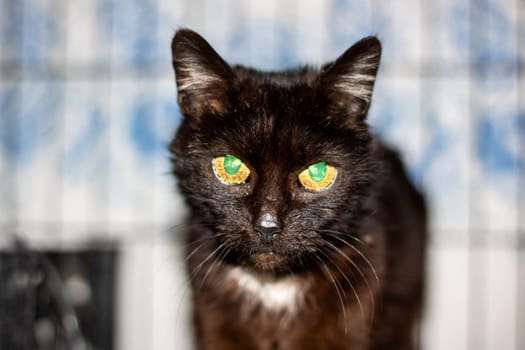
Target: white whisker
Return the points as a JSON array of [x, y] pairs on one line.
[[347, 258], [338, 292], [348, 281], [334, 235]]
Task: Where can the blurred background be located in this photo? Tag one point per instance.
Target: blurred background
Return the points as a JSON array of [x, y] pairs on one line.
[[89, 249]]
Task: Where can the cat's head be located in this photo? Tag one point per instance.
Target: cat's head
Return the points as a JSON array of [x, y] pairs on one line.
[[275, 163]]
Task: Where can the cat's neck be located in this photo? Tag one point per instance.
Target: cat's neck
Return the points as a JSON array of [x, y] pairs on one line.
[[274, 293]]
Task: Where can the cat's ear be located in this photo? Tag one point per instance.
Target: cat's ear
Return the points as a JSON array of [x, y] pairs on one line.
[[203, 78], [348, 82]]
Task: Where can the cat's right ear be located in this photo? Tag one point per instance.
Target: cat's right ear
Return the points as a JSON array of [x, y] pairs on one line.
[[349, 81], [203, 78]]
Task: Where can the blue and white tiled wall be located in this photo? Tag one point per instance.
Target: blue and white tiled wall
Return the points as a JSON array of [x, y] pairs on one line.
[[87, 105]]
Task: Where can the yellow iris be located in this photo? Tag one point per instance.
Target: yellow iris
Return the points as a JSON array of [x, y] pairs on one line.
[[230, 170], [317, 177]]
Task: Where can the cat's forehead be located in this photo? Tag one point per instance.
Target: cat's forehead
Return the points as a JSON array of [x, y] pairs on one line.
[[279, 130], [307, 75], [277, 97], [278, 117]]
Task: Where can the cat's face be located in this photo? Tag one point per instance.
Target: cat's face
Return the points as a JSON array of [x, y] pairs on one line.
[[274, 163]]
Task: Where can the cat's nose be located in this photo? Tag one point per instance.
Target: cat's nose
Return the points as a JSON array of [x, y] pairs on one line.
[[268, 226]]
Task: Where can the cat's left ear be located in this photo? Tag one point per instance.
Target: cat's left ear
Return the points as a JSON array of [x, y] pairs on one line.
[[203, 78], [349, 81]]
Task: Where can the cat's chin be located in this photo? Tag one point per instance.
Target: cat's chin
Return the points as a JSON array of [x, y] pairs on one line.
[[267, 261]]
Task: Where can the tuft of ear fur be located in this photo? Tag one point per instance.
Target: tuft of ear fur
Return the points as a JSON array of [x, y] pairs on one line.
[[203, 78], [348, 82]]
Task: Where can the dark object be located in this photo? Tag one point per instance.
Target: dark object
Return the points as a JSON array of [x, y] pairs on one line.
[[57, 300]]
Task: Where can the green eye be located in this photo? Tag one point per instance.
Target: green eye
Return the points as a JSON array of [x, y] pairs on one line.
[[317, 177], [230, 170], [232, 164], [317, 171]]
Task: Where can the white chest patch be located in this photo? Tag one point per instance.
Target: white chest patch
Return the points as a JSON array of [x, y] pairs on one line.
[[275, 294]]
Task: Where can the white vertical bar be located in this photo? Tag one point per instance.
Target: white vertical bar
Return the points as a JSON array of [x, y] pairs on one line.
[[134, 297], [501, 298], [447, 299], [171, 323]]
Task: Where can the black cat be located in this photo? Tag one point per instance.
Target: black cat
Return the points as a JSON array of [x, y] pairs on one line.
[[304, 232]]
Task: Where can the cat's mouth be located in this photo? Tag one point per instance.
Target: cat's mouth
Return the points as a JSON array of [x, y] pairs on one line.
[[267, 260]]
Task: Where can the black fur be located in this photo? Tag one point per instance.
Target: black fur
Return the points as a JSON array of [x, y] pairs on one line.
[[367, 230]]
